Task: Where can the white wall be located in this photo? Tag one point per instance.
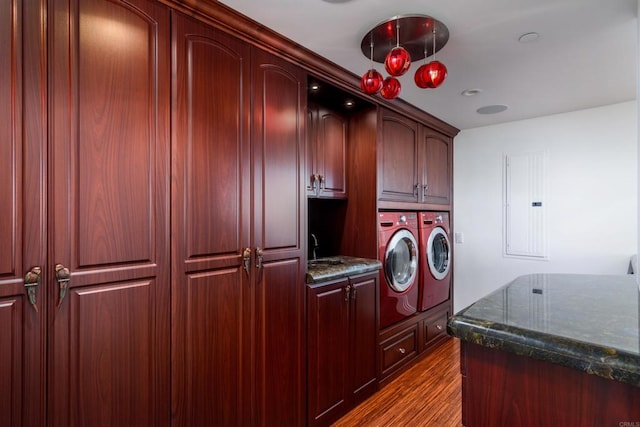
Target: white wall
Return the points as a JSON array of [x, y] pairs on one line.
[[591, 203]]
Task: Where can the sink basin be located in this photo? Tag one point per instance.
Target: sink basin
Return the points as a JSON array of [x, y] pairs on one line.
[[324, 262]]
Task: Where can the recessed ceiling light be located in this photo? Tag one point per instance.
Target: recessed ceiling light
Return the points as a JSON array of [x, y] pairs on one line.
[[470, 92], [491, 109], [315, 86], [529, 37], [349, 103]]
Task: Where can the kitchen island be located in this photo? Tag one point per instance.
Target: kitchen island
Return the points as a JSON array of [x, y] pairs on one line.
[[552, 349]]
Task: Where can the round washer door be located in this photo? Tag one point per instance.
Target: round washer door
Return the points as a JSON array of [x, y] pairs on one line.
[[438, 253], [401, 261]]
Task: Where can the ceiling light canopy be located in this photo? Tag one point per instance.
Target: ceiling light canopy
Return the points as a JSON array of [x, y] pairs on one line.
[[398, 41]]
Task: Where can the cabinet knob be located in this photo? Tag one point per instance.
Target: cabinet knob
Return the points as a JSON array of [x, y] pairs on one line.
[[401, 350], [415, 189], [425, 189], [439, 327]]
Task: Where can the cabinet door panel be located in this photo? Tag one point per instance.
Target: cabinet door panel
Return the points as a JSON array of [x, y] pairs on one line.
[[398, 158], [437, 162], [279, 341], [328, 352], [363, 337], [210, 226], [278, 146], [22, 219], [109, 197], [112, 337], [211, 371], [332, 148], [11, 356]]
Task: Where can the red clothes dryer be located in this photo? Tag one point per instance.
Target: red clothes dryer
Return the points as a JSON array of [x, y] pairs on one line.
[[435, 259], [398, 252]]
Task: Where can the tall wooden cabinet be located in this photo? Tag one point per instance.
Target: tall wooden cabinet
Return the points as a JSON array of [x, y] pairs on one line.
[[238, 257], [83, 183], [108, 301]]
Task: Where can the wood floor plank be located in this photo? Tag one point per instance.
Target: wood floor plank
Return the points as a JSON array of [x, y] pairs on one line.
[[427, 394]]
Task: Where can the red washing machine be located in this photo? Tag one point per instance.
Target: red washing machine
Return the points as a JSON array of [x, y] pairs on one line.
[[398, 252], [435, 259]]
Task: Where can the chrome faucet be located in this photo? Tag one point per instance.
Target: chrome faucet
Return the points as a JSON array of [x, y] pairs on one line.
[[315, 246]]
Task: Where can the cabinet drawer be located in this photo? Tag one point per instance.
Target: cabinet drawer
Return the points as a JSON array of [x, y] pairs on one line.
[[399, 349], [434, 328]]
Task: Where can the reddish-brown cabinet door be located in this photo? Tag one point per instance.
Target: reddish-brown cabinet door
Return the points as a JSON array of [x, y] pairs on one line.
[[398, 141], [328, 351], [363, 338], [210, 226], [436, 167], [109, 333], [22, 220], [326, 153], [279, 99]]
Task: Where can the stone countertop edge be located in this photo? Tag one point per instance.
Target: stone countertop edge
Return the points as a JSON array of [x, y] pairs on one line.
[[593, 359], [349, 266]]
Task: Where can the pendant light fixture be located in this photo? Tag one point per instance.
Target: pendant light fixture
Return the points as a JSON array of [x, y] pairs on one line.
[[371, 81], [398, 60], [396, 49], [430, 75]]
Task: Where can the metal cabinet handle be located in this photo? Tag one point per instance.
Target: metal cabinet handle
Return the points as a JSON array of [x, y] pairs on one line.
[[246, 259], [259, 255], [353, 293], [425, 190], [31, 283], [347, 292], [322, 182], [415, 189], [439, 327], [402, 350], [314, 178], [63, 276]]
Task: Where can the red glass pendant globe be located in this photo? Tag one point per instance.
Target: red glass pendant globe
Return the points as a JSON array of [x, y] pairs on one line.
[[435, 74], [390, 88], [421, 77], [371, 82], [397, 61]]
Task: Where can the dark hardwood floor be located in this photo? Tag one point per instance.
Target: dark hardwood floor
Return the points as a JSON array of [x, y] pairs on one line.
[[428, 394]]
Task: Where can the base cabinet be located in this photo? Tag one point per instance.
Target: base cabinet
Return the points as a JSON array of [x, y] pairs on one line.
[[405, 342], [341, 346], [506, 389]]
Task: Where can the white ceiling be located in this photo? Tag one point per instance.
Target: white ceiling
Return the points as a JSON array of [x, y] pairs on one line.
[[585, 56]]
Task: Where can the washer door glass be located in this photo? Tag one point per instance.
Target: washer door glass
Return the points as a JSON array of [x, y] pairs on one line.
[[438, 253], [401, 261]]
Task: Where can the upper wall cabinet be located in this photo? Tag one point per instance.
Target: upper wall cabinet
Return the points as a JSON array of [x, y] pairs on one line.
[[414, 163], [326, 153], [437, 160]]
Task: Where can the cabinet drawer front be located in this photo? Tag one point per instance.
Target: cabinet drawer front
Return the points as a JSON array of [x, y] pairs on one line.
[[398, 350], [436, 327]]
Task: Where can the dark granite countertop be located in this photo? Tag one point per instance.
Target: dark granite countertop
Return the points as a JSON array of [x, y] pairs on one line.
[[585, 322], [337, 267]]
